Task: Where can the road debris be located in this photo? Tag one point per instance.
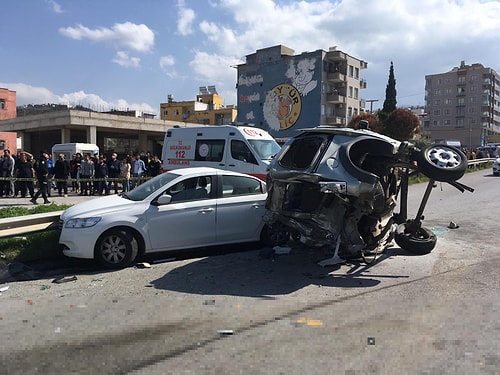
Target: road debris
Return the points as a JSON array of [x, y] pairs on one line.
[[163, 260], [143, 265], [64, 279], [282, 250], [453, 225], [225, 332]]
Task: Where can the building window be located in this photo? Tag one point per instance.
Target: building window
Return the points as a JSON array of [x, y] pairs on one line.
[[356, 73], [472, 110], [460, 111], [437, 102], [448, 101], [350, 91], [176, 112], [461, 79], [472, 99], [356, 93], [447, 112], [447, 91], [436, 123], [351, 70], [460, 101], [460, 122], [165, 113], [446, 122], [437, 112], [2, 104]]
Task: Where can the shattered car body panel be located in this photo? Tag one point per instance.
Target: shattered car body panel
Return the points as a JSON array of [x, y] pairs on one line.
[[338, 187]]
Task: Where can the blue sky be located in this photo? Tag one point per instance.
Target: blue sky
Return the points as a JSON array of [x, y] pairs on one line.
[[131, 54]]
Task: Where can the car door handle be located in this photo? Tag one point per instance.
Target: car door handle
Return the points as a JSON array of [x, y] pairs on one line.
[[257, 205], [206, 210]]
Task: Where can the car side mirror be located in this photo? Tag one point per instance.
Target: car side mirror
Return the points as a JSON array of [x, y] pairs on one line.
[[162, 199]]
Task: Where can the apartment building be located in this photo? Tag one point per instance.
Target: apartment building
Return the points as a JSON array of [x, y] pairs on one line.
[[207, 109], [463, 105], [282, 92]]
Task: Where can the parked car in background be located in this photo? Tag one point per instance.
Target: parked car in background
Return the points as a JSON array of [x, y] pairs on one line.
[[496, 167], [180, 209]]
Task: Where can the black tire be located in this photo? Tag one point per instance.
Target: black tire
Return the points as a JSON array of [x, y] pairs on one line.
[[274, 235], [442, 162], [116, 248], [419, 243]]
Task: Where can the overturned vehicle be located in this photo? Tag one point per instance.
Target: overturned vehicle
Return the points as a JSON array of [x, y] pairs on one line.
[[339, 187]]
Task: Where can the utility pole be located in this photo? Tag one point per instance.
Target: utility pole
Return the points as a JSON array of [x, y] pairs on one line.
[[371, 103]]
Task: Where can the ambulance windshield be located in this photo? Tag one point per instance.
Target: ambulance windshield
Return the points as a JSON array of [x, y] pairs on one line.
[[265, 149]]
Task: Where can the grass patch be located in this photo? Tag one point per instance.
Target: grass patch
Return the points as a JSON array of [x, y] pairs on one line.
[[32, 246]]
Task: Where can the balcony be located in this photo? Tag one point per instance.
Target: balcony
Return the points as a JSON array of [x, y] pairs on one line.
[[336, 55], [335, 120], [336, 77], [362, 84], [335, 98]]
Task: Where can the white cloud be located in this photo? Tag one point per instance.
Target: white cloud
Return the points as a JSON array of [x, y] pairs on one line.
[[122, 58], [185, 17], [212, 69], [122, 35], [26, 94], [167, 61], [167, 65], [56, 8]]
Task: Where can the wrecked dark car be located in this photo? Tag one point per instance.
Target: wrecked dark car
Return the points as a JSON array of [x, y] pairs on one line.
[[339, 187]]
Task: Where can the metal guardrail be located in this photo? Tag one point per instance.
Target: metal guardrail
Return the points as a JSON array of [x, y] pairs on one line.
[[475, 162], [15, 226]]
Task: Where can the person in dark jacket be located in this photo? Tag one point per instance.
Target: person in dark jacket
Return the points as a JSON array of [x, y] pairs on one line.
[[61, 174], [24, 172], [101, 174], [114, 172], [42, 173]]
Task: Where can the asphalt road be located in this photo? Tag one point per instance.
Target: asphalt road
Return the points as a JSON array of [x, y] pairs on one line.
[[251, 313]]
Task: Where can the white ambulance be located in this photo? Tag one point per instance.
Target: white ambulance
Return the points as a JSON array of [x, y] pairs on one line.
[[242, 149]]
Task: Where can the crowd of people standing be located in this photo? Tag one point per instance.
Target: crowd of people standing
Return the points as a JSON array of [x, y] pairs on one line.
[[23, 175]]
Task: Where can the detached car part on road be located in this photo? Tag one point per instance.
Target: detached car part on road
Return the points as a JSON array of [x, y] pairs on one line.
[[185, 208], [339, 187]]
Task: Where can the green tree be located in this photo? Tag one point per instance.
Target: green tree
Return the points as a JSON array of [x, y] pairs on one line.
[[390, 92], [402, 125]]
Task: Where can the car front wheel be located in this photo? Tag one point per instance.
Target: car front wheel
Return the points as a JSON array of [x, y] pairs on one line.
[[116, 248], [419, 242], [274, 235], [442, 163]]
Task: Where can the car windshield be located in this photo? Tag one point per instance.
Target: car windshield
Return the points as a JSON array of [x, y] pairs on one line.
[[265, 149], [147, 188]]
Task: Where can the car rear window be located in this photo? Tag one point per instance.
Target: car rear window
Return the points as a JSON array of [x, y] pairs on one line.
[[302, 152]]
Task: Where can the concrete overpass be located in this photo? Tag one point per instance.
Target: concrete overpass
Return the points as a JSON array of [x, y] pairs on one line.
[[110, 132]]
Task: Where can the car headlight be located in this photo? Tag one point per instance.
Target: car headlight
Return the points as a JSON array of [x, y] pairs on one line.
[[84, 222]]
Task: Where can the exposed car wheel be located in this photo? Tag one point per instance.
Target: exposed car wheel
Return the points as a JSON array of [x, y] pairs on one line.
[[422, 242], [116, 248], [274, 235], [442, 162]]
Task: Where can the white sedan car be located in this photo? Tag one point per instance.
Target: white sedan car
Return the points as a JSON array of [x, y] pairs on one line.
[[185, 208]]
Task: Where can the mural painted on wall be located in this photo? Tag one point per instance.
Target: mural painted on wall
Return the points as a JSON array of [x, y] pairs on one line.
[[301, 75], [283, 103], [283, 96], [282, 107]]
